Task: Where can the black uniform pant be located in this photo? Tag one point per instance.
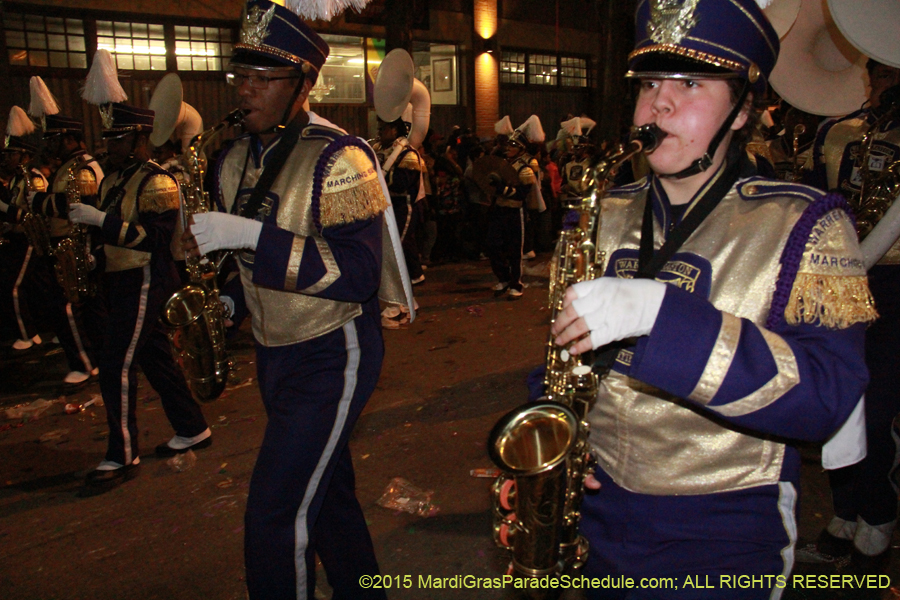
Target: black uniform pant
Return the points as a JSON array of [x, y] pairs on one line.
[[864, 489], [64, 318], [504, 243], [17, 265], [408, 219], [135, 336]]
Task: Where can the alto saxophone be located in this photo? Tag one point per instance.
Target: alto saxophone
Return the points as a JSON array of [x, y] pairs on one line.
[[542, 447], [878, 189], [73, 254], [194, 315], [33, 224]]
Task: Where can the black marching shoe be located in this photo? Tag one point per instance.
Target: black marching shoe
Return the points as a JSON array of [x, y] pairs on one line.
[[99, 481]]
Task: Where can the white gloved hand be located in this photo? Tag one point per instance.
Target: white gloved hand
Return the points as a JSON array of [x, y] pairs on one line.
[[615, 309], [215, 230], [84, 213]]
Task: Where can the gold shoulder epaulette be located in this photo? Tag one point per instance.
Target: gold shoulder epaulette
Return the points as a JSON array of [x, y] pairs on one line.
[[350, 190], [159, 193], [87, 181], [410, 160], [831, 287], [526, 175], [38, 183]]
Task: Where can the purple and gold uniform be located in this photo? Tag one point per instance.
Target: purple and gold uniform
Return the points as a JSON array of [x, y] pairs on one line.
[[141, 204], [506, 224], [312, 287], [67, 319], [691, 439], [404, 180]]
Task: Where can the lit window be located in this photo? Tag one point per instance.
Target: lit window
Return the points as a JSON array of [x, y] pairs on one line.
[[573, 71], [342, 79], [38, 41], [542, 69], [135, 46], [202, 48], [436, 69], [512, 67]]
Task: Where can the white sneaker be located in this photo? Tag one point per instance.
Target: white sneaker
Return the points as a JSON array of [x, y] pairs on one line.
[[514, 293], [499, 287], [76, 377], [418, 280], [529, 255]]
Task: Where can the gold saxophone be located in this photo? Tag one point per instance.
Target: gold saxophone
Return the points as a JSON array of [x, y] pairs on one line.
[[194, 315], [878, 189], [73, 254], [542, 447], [33, 224]]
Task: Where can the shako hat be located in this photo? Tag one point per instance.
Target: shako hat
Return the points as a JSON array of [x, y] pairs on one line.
[[273, 36], [529, 131], [102, 89], [44, 108], [682, 39]]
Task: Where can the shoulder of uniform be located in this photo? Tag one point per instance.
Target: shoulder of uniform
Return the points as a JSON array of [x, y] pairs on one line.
[[158, 190], [631, 188], [760, 188], [409, 159], [824, 267], [320, 132], [346, 187]]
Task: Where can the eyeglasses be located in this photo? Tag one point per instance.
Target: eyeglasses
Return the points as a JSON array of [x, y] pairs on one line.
[[257, 82]]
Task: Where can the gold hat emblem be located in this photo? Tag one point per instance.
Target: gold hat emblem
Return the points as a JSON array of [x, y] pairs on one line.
[[254, 28], [671, 20]]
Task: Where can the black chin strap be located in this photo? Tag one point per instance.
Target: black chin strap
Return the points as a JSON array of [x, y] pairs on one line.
[[705, 161]]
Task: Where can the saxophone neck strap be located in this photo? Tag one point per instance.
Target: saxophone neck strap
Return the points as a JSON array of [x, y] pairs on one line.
[[649, 263], [276, 163]]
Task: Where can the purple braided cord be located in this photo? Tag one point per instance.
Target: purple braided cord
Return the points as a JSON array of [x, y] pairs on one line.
[[793, 252]]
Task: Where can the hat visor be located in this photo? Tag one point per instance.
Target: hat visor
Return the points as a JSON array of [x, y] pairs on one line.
[[663, 65], [117, 133]]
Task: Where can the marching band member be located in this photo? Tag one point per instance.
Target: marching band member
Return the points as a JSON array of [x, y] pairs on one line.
[[307, 208], [135, 218], [742, 303]]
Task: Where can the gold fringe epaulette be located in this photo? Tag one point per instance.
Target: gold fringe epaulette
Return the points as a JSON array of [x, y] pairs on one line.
[[836, 302], [351, 190], [410, 160], [159, 194]]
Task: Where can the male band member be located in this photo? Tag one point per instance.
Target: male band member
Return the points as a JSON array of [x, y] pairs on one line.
[[865, 502], [19, 260], [64, 145], [138, 206], [506, 217], [741, 303], [307, 208], [404, 177]]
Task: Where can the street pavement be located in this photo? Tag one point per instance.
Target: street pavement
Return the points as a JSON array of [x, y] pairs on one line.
[[173, 534]]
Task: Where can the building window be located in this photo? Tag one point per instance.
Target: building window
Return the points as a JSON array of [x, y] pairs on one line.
[[202, 48], [342, 79], [135, 46], [512, 67], [542, 69], [436, 69], [38, 41], [573, 71]]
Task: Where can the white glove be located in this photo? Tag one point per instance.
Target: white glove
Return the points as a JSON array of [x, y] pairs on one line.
[[215, 230], [87, 214], [615, 309]]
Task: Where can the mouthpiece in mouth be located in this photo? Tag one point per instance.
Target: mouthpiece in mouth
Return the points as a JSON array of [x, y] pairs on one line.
[[649, 136]]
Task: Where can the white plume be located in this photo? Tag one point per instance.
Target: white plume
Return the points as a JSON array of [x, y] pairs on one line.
[[42, 101], [504, 126], [323, 9], [572, 126], [764, 3], [587, 125], [532, 129], [19, 124], [102, 85]]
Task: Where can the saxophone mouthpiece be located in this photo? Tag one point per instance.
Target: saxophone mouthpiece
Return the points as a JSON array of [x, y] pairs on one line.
[[236, 116], [649, 136]]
